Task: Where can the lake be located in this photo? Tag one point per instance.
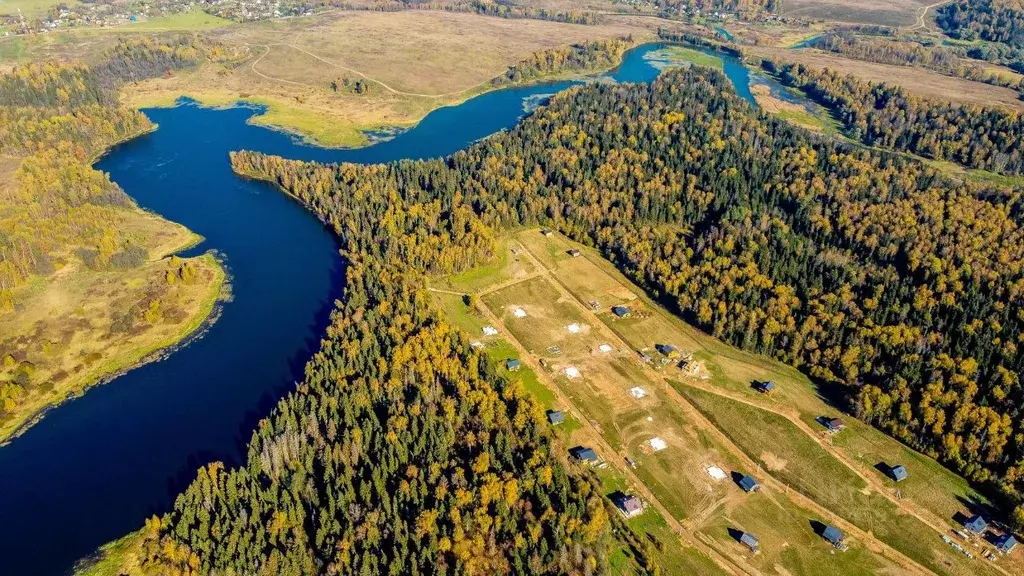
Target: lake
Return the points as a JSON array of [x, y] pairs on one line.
[[95, 467]]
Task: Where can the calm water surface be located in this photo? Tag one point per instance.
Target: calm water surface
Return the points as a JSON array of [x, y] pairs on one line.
[[95, 467]]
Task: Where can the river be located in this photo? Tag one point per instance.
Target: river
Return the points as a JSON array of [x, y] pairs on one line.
[[96, 466]]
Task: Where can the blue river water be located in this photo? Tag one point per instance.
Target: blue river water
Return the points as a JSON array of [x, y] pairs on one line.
[[96, 466]]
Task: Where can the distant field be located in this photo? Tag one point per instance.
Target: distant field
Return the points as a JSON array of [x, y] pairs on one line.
[[916, 80], [884, 12], [412, 61], [29, 7], [195, 20]]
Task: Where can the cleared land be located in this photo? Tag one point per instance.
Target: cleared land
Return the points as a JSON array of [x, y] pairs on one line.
[[883, 12], [915, 80], [778, 434], [557, 333]]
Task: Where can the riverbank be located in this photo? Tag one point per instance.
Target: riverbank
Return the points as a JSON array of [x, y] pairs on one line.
[[304, 72]]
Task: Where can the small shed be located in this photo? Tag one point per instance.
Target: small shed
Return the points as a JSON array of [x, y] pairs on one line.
[[575, 253], [620, 311], [898, 473], [976, 524], [583, 454], [628, 504], [833, 535], [834, 425], [1006, 543], [751, 541], [512, 364], [749, 484], [766, 387], [556, 416], [546, 232]]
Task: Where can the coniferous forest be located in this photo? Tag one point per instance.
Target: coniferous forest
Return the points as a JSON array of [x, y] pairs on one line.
[[869, 271], [985, 137]]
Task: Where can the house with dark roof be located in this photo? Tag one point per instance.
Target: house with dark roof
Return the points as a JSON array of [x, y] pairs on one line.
[[766, 387], [1006, 543], [976, 524], [575, 253], [668, 350], [833, 425], [584, 455], [751, 541], [512, 364], [833, 535], [620, 311], [628, 504], [749, 484], [556, 416], [898, 473]]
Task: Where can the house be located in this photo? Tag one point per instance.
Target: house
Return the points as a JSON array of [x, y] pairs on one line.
[[749, 484], [1006, 543], [628, 504], [833, 535], [766, 387], [556, 416], [976, 524], [620, 311], [584, 455], [575, 253], [512, 364], [751, 541], [898, 473], [833, 425], [547, 233], [668, 350]]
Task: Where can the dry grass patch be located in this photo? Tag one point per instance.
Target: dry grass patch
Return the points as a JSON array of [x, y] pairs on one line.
[[74, 328], [884, 12]]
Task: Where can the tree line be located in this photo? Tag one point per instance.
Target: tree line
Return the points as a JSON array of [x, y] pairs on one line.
[[902, 53], [884, 115], [402, 451], [868, 271], [593, 55], [991, 20]]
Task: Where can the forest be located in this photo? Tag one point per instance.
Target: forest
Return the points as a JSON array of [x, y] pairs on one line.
[[888, 116], [991, 20], [869, 271], [402, 451], [597, 54]]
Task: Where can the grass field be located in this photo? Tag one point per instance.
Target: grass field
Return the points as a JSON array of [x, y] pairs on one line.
[[674, 56], [413, 62], [28, 7], [884, 12]]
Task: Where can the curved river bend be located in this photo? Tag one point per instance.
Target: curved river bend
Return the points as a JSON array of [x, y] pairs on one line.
[[95, 467]]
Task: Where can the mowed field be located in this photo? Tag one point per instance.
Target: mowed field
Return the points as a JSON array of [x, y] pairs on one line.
[[883, 12], [560, 335], [916, 80]]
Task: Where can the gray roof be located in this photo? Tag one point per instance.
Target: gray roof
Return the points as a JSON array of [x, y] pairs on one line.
[[1006, 543], [628, 503], [583, 454], [556, 416], [620, 310], [976, 524], [899, 473], [832, 534], [749, 539]]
